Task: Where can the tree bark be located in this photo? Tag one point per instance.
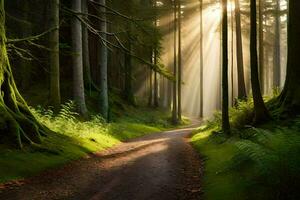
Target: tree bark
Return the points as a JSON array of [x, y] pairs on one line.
[[289, 100], [277, 54], [239, 53], [225, 113], [261, 113], [78, 83], [179, 62], [201, 57], [174, 107], [262, 70], [150, 97], [232, 59], [85, 49], [103, 63], [17, 123], [156, 82], [55, 99]]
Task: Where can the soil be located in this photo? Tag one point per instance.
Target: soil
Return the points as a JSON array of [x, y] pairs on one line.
[[161, 166]]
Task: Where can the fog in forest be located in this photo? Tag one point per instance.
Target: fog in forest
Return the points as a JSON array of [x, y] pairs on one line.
[[190, 31]]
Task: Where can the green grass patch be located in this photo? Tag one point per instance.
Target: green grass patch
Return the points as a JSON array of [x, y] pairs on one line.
[[253, 163], [74, 139]]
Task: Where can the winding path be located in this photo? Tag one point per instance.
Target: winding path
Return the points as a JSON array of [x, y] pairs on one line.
[[160, 166]]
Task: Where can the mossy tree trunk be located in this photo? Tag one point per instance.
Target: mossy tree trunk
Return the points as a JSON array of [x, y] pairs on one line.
[[289, 100], [17, 123]]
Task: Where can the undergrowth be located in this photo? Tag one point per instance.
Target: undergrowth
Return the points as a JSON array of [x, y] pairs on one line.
[[73, 139], [254, 162]]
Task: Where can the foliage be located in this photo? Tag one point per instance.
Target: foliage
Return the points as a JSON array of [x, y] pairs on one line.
[[265, 159]]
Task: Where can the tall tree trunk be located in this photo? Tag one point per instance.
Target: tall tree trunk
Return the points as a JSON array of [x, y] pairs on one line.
[[174, 107], [150, 97], [239, 53], [225, 113], [55, 99], [220, 70], [201, 57], [289, 100], [276, 58], [17, 123], [261, 113], [261, 46], [78, 83], [232, 55], [156, 82], [85, 49], [179, 62], [104, 107]]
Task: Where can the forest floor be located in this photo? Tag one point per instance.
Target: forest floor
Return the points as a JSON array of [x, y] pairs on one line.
[[160, 166]]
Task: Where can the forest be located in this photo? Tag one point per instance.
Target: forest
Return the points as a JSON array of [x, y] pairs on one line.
[[150, 99]]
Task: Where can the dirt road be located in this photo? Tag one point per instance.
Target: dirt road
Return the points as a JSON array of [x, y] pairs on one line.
[[160, 166]]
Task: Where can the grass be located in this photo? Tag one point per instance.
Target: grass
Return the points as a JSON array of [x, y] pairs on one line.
[[74, 139], [252, 163]]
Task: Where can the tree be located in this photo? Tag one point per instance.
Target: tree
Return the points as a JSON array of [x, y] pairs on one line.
[[262, 69], [78, 83], [289, 100], [150, 97], [85, 48], [55, 98], [277, 54], [239, 53], [261, 113], [17, 123], [225, 112], [155, 55], [103, 62], [174, 107], [156, 82], [179, 61], [201, 57]]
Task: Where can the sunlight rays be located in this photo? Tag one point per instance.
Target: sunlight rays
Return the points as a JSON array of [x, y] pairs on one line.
[[191, 71]]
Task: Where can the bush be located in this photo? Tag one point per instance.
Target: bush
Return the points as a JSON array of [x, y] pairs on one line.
[[254, 163]]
